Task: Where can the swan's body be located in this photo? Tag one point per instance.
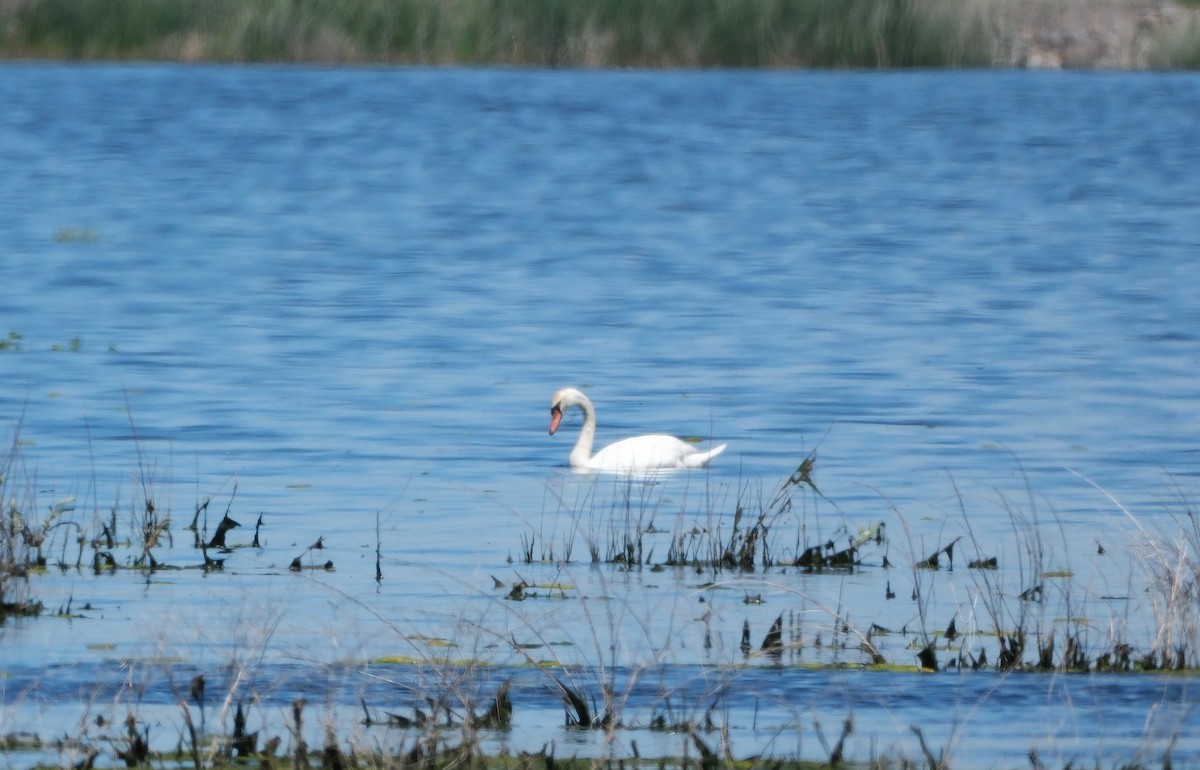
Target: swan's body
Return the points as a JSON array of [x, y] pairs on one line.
[[640, 454]]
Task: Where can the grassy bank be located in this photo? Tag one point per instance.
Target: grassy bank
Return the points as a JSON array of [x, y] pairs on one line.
[[611, 33], [571, 33]]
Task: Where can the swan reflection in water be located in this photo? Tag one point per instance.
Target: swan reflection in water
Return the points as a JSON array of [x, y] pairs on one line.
[[637, 455]]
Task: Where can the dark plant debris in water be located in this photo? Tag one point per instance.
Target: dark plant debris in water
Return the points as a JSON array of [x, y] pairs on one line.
[[749, 542]]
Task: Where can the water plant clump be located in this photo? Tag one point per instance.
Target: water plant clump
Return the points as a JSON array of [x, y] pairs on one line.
[[1025, 612], [67, 538], [21, 541], [12, 341], [746, 542]]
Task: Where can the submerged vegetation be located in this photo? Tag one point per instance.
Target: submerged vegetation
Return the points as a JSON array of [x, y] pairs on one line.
[[580, 33]]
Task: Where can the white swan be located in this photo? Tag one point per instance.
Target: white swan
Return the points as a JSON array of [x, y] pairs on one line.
[[640, 454]]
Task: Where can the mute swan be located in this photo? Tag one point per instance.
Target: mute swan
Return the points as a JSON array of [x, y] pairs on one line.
[[640, 454]]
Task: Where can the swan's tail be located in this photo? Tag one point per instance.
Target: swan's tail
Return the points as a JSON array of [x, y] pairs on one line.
[[701, 459]]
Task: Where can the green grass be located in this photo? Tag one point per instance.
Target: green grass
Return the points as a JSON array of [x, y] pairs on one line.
[[1180, 49], [566, 33]]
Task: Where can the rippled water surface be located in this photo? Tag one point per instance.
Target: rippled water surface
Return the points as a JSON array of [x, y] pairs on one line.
[[339, 300]]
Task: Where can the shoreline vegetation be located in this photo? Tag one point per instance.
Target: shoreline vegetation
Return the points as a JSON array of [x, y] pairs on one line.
[[1034, 34]]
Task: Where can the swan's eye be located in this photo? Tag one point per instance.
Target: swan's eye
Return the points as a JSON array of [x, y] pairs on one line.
[[555, 410]]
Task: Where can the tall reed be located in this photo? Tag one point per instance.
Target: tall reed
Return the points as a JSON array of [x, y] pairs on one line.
[[556, 33], [23, 539]]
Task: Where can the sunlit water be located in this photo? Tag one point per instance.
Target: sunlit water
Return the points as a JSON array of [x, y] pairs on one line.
[[341, 299]]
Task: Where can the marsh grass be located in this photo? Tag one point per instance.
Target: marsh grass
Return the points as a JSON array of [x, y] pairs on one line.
[[1037, 615], [1180, 48], [1031, 616], [35, 537], [1169, 556], [23, 538], [705, 536], [555, 33]]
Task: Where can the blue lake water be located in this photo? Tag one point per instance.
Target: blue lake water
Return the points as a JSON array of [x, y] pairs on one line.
[[341, 299]]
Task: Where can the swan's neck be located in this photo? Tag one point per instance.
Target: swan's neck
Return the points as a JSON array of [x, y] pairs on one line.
[[581, 455]]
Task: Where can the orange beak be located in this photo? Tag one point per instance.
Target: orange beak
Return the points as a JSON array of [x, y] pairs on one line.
[[555, 418]]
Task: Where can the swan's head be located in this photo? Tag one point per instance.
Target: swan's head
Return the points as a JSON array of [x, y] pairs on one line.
[[561, 401]]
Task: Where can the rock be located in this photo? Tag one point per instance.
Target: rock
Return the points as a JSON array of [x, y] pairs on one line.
[[1085, 34]]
